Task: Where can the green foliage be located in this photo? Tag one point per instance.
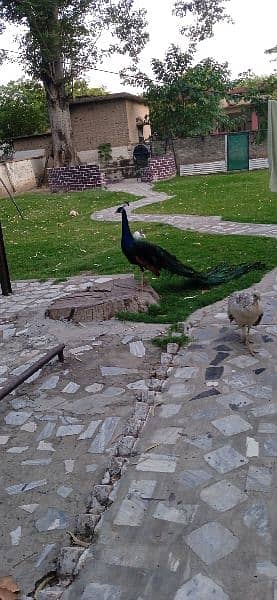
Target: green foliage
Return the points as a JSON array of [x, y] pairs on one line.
[[105, 152], [23, 109], [272, 51], [184, 100], [257, 90], [242, 197], [173, 335], [80, 87], [203, 16]]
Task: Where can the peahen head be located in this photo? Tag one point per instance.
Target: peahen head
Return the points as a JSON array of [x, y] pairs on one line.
[[121, 208]]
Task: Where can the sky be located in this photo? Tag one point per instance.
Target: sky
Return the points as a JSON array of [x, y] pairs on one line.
[[242, 44]]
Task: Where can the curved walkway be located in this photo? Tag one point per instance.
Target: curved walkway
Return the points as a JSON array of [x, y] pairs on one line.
[[203, 224]]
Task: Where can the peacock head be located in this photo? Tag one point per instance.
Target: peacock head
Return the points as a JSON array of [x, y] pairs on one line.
[[120, 209]]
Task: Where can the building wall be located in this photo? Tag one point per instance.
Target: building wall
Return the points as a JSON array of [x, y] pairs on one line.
[[135, 110], [94, 123], [25, 146], [211, 148], [199, 149], [257, 150], [99, 123], [91, 156], [21, 175]]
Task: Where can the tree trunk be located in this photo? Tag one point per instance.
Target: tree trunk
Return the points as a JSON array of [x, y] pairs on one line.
[[64, 153]]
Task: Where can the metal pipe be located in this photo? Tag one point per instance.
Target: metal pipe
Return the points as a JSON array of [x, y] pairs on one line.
[[11, 196], [16, 381], [4, 269]]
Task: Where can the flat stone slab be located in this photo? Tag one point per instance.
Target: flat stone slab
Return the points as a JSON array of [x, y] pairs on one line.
[[102, 300], [201, 587], [211, 542]]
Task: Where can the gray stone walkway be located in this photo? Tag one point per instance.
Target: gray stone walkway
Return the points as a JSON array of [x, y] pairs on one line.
[[56, 429], [194, 516], [192, 222]]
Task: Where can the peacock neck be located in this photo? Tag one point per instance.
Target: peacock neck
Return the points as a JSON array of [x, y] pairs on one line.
[[126, 237]]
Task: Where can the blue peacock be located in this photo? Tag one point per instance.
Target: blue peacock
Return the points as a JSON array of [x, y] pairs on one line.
[[150, 257]]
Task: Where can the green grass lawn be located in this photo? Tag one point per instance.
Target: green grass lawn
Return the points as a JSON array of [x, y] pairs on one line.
[[49, 243], [243, 197]]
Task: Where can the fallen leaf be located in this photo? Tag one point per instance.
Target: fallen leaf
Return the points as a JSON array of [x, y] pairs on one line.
[[47, 579], [77, 540], [7, 583]]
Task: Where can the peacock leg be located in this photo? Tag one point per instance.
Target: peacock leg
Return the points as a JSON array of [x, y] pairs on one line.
[[141, 282], [244, 335], [248, 342]]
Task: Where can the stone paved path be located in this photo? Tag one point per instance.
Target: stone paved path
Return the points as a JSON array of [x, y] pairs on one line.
[[55, 430], [193, 222], [194, 517]]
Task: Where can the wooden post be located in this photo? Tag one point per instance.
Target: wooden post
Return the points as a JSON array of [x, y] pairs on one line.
[[4, 269]]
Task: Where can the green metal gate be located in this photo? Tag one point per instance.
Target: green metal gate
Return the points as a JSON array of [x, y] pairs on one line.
[[237, 151]]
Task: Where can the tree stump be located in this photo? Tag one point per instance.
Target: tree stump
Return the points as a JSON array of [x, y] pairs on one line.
[[103, 300]]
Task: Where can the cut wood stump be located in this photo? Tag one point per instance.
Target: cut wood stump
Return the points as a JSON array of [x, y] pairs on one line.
[[103, 300]]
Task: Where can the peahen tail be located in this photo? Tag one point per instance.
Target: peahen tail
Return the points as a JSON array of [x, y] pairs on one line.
[[213, 276]]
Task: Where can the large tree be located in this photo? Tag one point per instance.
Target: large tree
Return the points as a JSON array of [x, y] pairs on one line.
[[63, 38]]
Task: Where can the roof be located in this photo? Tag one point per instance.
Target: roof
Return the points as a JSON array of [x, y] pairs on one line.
[[33, 135], [107, 98]]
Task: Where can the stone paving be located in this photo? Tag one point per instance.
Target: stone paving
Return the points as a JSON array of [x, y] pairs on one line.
[[56, 428], [212, 224], [194, 516]]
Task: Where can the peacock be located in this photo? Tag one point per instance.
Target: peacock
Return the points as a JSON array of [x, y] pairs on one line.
[[150, 257], [246, 310]]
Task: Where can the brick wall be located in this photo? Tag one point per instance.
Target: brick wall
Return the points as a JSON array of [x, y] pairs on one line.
[[159, 167], [99, 123], [82, 177], [199, 149], [211, 148], [257, 150]]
